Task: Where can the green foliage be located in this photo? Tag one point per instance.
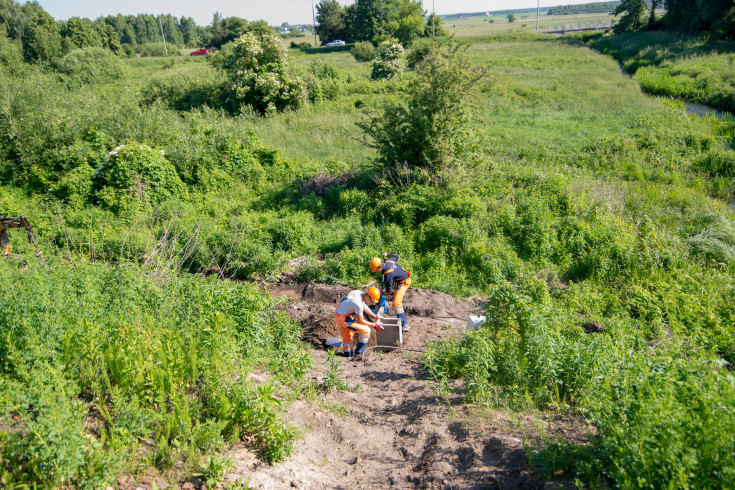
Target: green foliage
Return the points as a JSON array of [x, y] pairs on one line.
[[693, 68], [511, 18], [153, 49], [323, 82], [257, 69], [363, 51], [376, 21], [332, 380], [92, 65], [331, 21], [187, 90], [136, 174], [633, 15], [144, 359], [388, 62], [430, 130]]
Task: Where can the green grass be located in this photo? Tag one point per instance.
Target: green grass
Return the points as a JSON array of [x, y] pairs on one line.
[[696, 69], [583, 200]]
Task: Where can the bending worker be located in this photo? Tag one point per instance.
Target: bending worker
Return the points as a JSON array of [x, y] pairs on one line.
[[394, 276], [350, 316]]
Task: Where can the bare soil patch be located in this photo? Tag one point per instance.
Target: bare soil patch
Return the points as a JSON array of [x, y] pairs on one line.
[[394, 431]]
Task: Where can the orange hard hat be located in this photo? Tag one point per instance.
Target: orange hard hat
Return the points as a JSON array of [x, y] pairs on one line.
[[374, 293], [374, 264]]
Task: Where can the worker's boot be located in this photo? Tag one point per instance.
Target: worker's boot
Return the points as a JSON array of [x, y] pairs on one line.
[[405, 327], [347, 353], [361, 346]]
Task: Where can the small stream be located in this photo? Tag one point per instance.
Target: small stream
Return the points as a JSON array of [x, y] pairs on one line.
[[705, 110]]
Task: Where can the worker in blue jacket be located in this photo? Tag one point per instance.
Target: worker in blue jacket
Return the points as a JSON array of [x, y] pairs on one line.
[[396, 281]]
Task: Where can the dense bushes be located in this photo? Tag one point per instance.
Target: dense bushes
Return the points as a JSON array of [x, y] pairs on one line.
[[257, 69], [164, 362], [363, 51], [186, 90], [90, 65], [429, 130], [136, 174], [389, 60]]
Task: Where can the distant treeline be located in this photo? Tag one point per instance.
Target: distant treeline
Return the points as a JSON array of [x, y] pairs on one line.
[[494, 12], [43, 38], [584, 8]]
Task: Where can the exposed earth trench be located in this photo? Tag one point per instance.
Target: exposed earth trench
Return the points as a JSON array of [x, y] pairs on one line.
[[393, 431]]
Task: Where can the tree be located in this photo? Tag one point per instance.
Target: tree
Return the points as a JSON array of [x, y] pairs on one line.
[[109, 38], [632, 15], [652, 17], [389, 61], [79, 33], [434, 26], [258, 71], [378, 20], [41, 38], [430, 130], [511, 18], [330, 19]]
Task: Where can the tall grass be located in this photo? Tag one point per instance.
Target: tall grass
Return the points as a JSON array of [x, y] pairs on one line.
[[96, 359]]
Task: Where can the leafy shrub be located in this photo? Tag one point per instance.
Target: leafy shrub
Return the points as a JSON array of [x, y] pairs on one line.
[[421, 48], [163, 360], [666, 421], [258, 71], [152, 50], [389, 60], [136, 174], [363, 51], [323, 82], [431, 130], [92, 65], [185, 90]]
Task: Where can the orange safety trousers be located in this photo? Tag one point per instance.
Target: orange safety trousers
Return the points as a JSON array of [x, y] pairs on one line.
[[349, 326], [398, 295]]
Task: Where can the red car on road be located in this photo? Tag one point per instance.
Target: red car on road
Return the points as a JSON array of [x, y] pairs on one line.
[[200, 52]]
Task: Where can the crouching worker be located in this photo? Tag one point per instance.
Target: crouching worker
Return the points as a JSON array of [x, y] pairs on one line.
[[396, 280], [350, 316]]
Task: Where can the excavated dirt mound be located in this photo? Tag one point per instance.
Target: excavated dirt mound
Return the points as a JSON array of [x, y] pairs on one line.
[[432, 315]]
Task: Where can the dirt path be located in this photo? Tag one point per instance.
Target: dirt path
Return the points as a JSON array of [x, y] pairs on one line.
[[393, 431]]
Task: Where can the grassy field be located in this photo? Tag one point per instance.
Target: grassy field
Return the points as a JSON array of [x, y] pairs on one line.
[[582, 200], [498, 24]]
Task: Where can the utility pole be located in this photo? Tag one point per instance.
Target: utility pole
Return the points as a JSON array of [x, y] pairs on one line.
[[538, 4], [433, 18], [162, 36], [313, 21]]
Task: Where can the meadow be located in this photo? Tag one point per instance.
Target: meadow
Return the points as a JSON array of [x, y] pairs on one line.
[[498, 24], [582, 200]]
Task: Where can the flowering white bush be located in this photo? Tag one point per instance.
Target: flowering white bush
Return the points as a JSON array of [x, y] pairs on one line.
[[258, 71], [389, 61]]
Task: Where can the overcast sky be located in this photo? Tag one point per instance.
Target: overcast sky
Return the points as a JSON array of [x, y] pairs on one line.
[[274, 11]]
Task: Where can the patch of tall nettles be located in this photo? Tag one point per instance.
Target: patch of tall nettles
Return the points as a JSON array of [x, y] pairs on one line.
[[95, 359], [649, 379]]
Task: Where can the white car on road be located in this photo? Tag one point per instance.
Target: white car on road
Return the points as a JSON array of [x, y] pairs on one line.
[[336, 42]]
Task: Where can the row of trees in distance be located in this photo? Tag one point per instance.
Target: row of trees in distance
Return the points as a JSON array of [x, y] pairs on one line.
[[375, 21], [45, 39]]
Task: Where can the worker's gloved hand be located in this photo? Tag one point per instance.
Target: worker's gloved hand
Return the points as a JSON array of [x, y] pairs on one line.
[[377, 326], [385, 254]]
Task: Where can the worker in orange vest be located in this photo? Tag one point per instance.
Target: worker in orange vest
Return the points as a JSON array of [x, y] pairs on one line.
[[396, 280], [350, 316]]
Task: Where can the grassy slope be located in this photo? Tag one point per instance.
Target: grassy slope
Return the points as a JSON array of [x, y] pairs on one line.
[[579, 180]]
